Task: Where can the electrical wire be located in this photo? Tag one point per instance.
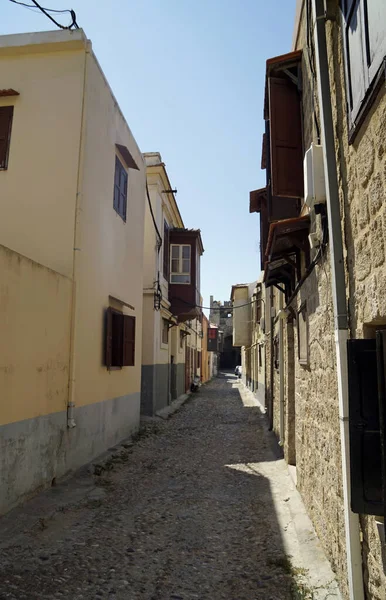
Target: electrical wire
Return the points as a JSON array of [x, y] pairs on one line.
[[224, 308], [159, 242], [46, 11]]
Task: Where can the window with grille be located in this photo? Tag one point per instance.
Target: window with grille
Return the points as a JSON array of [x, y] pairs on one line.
[[180, 263]]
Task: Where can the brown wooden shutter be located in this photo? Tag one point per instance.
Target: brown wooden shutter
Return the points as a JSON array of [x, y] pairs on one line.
[[128, 341], [166, 251], [109, 338], [6, 114], [286, 138]]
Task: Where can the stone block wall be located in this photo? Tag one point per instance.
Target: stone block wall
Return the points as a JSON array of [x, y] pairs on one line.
[[362, 187]]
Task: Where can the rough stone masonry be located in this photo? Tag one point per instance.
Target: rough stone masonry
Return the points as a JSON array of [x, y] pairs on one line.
[[199, 507]]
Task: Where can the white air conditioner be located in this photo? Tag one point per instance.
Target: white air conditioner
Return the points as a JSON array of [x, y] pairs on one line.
[[314, 182]]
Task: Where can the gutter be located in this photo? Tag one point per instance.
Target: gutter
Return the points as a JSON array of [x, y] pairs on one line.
[[352, 530], [282, 315]]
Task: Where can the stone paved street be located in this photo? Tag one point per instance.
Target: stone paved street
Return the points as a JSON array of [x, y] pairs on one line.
[[198, 508]]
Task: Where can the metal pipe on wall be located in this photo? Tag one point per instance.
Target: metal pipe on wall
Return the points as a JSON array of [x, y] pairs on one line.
[[353, 544], [282, 316]]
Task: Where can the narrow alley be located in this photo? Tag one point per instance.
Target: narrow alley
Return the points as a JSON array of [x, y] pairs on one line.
[[200, 506]]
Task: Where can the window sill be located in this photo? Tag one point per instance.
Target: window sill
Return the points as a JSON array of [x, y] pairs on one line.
[[367, 103], [114, 368]]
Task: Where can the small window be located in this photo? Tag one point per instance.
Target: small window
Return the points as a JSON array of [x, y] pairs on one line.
[[303, 334], [120, 189], [166, 251], [180, 264], [165, 331], [260, 357], [6, 115], [120, 339], [365, 52]]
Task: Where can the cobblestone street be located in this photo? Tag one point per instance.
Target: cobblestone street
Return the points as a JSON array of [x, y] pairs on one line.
[[199, 507]]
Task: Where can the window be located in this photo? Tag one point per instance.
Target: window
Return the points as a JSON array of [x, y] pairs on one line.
[[166, 250], [180, 264], [6, 115], [365, 51], [120, 339], [303, 335], [165, 331], [120, 189]]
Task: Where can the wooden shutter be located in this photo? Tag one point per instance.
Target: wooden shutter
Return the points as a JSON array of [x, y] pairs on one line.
[[381, 362], [285, 139], [116, 185], [6, 114], [354, 34], [375, 24], [128, 341], [123, 192], [281, 208], [166, 251], [108, 337], [364, 427]]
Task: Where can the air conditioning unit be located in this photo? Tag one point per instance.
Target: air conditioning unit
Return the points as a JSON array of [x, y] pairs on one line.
[[314, 182]]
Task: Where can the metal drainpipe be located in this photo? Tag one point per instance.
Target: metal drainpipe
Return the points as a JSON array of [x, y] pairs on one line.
[[270, 406], [71, 423], [282, 316], [353, 544]]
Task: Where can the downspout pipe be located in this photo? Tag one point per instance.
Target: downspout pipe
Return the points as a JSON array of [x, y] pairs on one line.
[[353, 544], [271, 373], [282, 315], [71, 422]]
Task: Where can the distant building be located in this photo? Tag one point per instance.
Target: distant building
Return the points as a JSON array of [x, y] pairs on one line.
[[172, 330], [221, 316]]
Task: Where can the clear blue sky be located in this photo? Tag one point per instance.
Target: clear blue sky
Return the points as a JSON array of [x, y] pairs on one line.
[[189, 77]]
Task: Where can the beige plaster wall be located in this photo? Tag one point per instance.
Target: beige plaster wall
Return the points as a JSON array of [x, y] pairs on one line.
[[40, 184], [110, 259], [35, 304]]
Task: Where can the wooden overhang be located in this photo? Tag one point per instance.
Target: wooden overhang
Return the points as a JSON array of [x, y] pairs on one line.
[[286, 240], [280, 273], [127, 157], [283, 64], [288, 235], [8, 92], [256, 199]]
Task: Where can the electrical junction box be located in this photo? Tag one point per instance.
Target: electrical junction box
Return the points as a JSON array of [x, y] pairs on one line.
[[314, 182], [314, 240]]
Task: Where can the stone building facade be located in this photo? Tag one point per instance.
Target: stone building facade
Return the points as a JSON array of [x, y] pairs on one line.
[[221, 316], [303, 374]]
